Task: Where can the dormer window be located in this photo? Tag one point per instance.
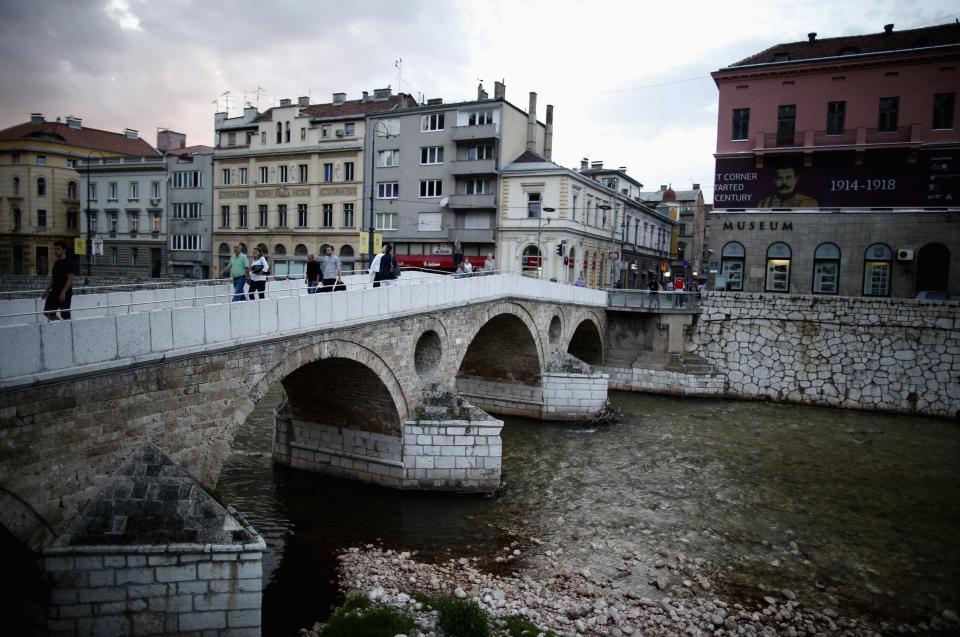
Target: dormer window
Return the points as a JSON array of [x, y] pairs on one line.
[[781, 57], [848, 50]]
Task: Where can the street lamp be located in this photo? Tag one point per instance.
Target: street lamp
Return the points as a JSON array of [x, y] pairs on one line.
[[539, 228], [373, 159]]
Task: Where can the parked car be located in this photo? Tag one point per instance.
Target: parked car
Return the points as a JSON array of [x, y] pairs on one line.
[[937, 295]]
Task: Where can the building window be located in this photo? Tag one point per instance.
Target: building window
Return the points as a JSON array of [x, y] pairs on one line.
[[826, 269], [41, 160], [350, 129], [387, 127], [264, 216], [889, 108], [224, 216], [15, 159], [71, 163], [155, 190], [732, 258], [386, 221], [573, 205], [188, 179], [683, 230], [943, 108], [786, 124], [778, 267], [263, 138], [476, 221], [242, 216], [113, 255], [264, 175], [431, 187], [41, 187], [186, 242], [155, 227], [301, 215], [327, 220], [112, 191], [388, 190], [429, 221], [231, 139], [243, 176], [477, 187], [92, 190], [187, 210], [16, 186], [279, 133], [876, 270], [534, 204], [348, 174], [479, 118], [328, 172], [530, 261], [41, 218], [304, 173], [71, 190], [282, 215], [348, 215], [226, 177], [387, 158], [325, 130], [284, 175], [432, 122], [73, 219], [480, 151], [303, 134], [114, 220], [134, 221], [134, 255], [134, 191], [92, 222], [741, 123], [431, 155], [17, 220], [836, 117]]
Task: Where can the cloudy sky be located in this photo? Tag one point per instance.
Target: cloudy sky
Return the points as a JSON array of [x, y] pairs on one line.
[[629, 80]]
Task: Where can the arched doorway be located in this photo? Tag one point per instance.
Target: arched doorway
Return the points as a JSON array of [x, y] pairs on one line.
[[933, 268]]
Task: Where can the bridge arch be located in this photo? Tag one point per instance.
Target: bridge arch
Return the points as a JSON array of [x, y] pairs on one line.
[[507, 347], [586, 341]]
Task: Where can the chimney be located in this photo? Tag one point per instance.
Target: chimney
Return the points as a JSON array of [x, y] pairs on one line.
[[168, 140], [366, 96], [37, 118], [548, 133], [74, 122], [481, 94], [285, 102], [888, 28], [584, 163], [811, 36], [339, 99], [433, 101], [499, 91], [130, 133], [663, 187], [532, 122], [596, 165], [382, 93], [622, 169], [303, 100], [249, 113], [696, 186]]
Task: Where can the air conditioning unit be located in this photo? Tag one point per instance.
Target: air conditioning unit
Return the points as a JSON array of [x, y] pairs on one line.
[[340, 132], [904, 255]]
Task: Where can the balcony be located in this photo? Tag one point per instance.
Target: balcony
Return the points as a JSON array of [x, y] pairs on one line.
[[473, 167], [470, 133], [910, 134], [472, 235], [473, 201]]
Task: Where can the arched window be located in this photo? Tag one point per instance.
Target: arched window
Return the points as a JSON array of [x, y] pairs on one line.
[[71, 190], [243, 248], [262, 247], [530, 263], [279, 249], [41, 187], [300, 250], [346, 252], [826, 269], [279, 133], [778, 267], [224, 248], [732, 259], [287, 133], [16, 186], [876, 270]]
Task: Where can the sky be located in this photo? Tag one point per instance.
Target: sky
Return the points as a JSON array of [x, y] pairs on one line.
[[629, 81]]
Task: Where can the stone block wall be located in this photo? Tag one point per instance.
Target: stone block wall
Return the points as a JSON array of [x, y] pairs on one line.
[[660, 381], [856, 352], [456, 455], [502, 397], [180, 589], [573, 396]]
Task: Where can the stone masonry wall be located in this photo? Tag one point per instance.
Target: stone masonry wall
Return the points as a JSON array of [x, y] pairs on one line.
[[502, 398], [188, 590], [861, 353], [573, 396], [659, 381]]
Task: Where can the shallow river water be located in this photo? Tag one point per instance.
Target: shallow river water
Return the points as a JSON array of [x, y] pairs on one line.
[[850, 510]]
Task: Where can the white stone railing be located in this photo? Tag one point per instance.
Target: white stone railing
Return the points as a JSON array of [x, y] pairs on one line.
[[35, 352]]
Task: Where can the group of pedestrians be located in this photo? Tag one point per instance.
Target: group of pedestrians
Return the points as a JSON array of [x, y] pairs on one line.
[[325, 273], [248, 272], [465, 268]]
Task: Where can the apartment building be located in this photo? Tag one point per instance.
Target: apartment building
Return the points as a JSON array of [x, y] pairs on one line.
[[41, 197], [838, 166], [435, 179], [289, 180], [189, 186]]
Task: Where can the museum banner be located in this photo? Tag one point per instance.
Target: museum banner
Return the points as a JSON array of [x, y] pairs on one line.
[[885, 178]]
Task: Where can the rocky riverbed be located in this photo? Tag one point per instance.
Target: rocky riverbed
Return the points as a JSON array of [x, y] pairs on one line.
[[577, 602]]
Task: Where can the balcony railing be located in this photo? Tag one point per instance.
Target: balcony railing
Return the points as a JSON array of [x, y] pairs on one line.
[[473, 166], [467, 133], [899, 134], [845, 138], [473, 201], [910, 133]]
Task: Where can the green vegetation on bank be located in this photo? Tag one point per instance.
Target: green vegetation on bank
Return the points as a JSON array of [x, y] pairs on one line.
[[360, 617]]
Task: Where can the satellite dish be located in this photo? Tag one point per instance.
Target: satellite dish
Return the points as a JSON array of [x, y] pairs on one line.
[[444, 202]]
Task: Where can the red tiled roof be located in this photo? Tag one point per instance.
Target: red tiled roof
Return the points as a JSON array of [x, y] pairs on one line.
[[944, 34], [89, 138], [349, 108]]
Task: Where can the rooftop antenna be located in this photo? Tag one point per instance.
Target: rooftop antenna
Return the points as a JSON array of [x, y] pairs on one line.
[[226, 95], [257, 92], [399, 66]]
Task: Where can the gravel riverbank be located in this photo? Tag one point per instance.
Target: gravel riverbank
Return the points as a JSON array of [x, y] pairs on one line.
[[572, 603]]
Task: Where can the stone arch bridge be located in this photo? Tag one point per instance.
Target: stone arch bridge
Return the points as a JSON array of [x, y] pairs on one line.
[[389, 385]]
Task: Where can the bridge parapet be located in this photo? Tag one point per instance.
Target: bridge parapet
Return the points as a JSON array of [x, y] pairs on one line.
[[59, 349]]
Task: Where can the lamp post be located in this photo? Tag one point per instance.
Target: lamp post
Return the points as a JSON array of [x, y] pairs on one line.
[[373, 159], [539, 229]]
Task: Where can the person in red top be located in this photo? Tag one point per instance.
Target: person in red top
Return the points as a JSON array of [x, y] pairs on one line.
[[678, 290]]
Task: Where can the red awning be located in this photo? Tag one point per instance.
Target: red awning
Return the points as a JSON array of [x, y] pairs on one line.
[[435, 261]]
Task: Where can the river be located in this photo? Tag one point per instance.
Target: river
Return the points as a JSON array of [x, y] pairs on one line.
[[850, 510]]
